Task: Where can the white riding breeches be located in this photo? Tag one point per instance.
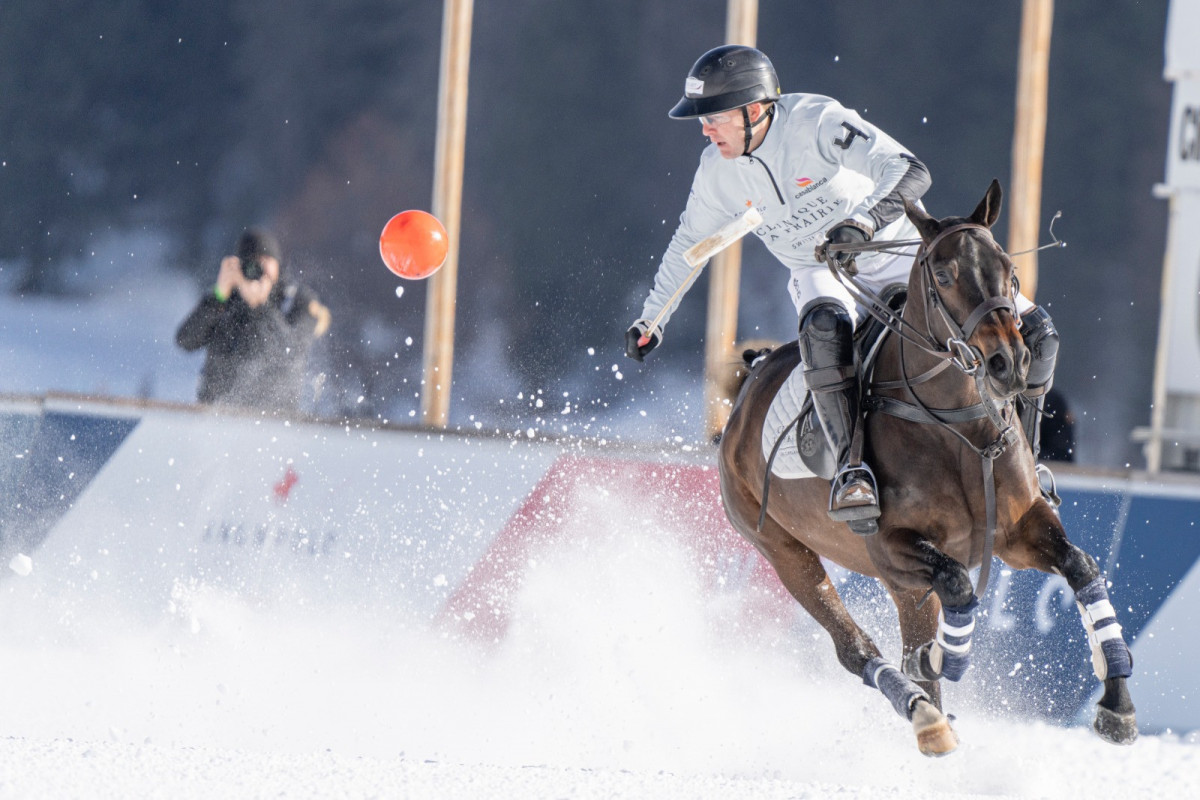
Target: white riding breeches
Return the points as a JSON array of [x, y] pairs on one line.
[[807, 284]]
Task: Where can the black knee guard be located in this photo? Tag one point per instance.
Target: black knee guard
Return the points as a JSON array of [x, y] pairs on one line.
[[827, 350], [826, 347], [1041, 337]]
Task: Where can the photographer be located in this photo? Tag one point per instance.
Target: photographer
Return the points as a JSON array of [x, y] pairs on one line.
[[257, 328]]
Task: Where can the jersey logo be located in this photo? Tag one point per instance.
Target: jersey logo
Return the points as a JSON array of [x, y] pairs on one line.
[[851, 132]]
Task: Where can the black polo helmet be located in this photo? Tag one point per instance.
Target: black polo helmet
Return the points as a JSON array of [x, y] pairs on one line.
[[727, 77]]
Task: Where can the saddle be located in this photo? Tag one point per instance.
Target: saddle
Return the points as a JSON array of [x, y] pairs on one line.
[[792, 407]]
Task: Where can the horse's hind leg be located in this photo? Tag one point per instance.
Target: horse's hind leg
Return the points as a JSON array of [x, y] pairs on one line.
[[804, 576], [1039, 542]]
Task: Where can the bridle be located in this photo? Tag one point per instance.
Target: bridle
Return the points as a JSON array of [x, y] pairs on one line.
[[957, 352], [966, 357]]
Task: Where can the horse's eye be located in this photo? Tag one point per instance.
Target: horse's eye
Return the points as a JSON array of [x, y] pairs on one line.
[[943, 277]]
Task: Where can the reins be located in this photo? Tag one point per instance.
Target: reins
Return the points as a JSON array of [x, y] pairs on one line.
[[956, 349], [956, 352]]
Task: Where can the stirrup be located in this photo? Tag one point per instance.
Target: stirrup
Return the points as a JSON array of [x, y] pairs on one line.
[[861, 517], [1050, 495]]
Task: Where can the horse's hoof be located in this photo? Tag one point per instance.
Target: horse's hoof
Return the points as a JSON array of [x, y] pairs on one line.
[[1114, 727], [935, 737]]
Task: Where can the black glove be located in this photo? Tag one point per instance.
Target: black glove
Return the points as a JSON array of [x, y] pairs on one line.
[[846, 232], [633, 337]]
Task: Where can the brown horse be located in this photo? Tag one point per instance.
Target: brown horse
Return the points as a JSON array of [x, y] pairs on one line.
[[956, 481]]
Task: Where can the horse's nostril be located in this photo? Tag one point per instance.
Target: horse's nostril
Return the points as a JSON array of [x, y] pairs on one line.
[[999, 366]]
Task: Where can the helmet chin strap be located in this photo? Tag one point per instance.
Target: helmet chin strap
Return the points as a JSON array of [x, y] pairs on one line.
[[748, 126]]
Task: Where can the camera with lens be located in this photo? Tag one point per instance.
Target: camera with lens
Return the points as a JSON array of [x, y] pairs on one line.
[[252, 269]]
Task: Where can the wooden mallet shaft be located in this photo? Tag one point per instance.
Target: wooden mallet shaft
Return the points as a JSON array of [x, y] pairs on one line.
[[698, 255]]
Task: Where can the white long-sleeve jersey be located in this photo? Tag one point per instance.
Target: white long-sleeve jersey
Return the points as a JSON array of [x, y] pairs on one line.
[[819, 164]]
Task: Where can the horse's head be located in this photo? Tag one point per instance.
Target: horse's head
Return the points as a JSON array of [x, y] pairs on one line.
[[966, 282]]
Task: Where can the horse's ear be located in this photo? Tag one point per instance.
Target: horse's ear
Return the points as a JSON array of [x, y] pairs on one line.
[[927, 226], [988, 210]]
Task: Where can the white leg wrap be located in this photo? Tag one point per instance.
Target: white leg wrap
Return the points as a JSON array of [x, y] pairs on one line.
[[1110, 654], [950, 653], [897, 687]]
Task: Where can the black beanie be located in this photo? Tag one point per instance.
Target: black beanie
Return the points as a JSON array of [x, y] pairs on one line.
[[257, 242]]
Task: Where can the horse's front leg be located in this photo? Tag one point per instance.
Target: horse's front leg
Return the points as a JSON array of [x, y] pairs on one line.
[[1039, 542], [937, 631], [931, 652]]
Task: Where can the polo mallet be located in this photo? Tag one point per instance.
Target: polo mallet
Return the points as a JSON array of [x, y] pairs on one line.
[[698, 255]]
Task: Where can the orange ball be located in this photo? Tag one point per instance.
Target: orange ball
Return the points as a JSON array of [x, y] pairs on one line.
[[414, 244]]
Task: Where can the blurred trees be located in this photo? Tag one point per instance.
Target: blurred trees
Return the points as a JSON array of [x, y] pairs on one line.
[[196, 117], [319, 118], [108, 118]]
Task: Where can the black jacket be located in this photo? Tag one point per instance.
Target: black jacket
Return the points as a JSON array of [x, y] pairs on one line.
[[256, 357]]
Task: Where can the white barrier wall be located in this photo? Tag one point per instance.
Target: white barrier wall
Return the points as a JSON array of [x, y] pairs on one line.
[[369, 514]]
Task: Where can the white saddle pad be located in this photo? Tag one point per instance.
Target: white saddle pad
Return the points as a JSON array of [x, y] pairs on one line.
[[783, 410]]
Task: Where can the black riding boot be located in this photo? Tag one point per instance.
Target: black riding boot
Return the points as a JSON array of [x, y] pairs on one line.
[[1037, 329], [826, 348]]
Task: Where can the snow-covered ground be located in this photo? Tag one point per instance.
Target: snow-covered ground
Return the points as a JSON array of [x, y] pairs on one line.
[[113, 333], [617, 679]]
